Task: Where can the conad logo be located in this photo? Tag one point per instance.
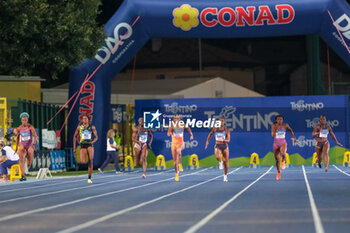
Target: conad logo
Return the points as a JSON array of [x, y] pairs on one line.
[[104, 53], [343, 24], [185, 17]]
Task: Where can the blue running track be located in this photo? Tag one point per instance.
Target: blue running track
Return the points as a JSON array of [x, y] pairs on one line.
[[306, 199]]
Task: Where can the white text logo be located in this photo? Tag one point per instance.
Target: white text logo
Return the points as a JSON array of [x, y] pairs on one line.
[[301, 106], [104, 53], [302, 142], [312, 123], [245, 122], [176, 108]]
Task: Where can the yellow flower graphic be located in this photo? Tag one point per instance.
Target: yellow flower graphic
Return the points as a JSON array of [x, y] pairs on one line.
[[185, 17]]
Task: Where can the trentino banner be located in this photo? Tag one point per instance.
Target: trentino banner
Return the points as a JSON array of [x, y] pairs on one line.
[[249, 120]]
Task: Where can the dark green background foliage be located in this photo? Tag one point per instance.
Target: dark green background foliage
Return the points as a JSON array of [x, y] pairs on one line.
[[43, 37]]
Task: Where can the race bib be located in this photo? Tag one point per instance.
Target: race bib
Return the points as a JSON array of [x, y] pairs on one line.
[[177, 133], [143, 138], [324, 133], [25, 136], [220, 136], [86, 135], [280, 134]]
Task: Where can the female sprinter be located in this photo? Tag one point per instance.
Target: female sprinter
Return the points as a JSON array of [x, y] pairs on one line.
[[222, 137], [25, 142], [321, 131], [176, 131], [140, 138], [278, 132], [85, 130]]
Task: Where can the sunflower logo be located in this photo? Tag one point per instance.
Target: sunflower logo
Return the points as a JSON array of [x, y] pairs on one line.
[[185, 17]]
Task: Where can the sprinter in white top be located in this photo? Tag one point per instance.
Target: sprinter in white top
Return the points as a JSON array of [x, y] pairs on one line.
[[321, 132], [140, 137]]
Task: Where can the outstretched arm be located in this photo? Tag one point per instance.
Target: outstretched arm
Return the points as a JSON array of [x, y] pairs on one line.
[[316, 132], [34, 135], [227, 140], [291, 132], [150, 138], [94, 131], [169, 131], [189, 130], [333, 136], [75, 139], [135, 136], [209, 136], [273, 130]]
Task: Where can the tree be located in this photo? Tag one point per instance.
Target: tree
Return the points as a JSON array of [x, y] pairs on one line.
[[44, 37]]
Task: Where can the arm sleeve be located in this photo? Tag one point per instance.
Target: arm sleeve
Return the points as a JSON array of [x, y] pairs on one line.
[[3, 152], [110, 140]]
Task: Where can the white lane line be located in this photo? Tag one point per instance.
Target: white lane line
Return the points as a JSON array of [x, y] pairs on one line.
[[120, 212], [207, 218], [72, 189], [25, 213], [64, 182], [53, 184], [341, 170], [315, 214], [75, 181]]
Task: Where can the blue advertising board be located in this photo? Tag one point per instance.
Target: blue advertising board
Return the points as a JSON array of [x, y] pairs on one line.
[[249, 120]]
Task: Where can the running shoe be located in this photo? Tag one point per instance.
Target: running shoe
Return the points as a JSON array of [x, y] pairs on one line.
[[326, 169], [181, 168], [89, 181], [319, 165], [225, 178], [283, 166], [99, 169], [278, 175], [23, 178], [221, 165], [118, 172], [144, 176], [176, 177]]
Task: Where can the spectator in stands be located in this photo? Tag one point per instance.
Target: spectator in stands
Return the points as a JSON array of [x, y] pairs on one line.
[[112, 152], [8, 158]]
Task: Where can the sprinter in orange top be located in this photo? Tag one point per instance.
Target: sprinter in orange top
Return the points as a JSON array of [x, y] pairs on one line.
[[176, 131]]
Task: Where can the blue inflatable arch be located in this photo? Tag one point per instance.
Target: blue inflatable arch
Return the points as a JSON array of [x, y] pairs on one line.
[[136, 21]]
